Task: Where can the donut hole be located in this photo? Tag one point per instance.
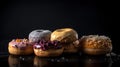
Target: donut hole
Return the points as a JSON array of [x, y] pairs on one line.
[[39, 31], [60, 30]]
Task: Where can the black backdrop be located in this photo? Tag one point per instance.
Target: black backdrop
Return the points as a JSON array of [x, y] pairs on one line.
[[19, 18]]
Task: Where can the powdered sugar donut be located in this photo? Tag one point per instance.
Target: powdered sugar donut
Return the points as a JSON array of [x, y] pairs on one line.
[[37, 35]]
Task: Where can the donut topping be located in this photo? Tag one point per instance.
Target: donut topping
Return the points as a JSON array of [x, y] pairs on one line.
[[19, 43], [39, 34], [95, 41], [45, 45]]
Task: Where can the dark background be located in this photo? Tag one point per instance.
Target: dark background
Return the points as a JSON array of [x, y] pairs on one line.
[[19, 18]]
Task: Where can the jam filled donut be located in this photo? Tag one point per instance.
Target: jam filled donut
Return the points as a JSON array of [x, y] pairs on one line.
[[47, 48], [68, 38], [96, 45], [37, 35], [20, 47]]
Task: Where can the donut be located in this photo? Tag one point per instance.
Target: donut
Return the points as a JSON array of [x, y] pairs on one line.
[[47, 48], [96, 44], [20, 47], [37, 35], [68, 38], [64, 35], [71, 47]]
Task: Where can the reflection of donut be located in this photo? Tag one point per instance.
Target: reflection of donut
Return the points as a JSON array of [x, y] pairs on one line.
[[13, 61], [96, 45], [20, 47], [67, 37], [37, 35], [54, 62], [19, 61], [97, 61], [40, 62]]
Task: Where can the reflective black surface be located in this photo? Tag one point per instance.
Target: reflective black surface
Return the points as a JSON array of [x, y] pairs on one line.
[[65, 60]]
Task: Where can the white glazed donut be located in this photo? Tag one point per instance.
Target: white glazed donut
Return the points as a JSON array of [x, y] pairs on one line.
[[37, 35]]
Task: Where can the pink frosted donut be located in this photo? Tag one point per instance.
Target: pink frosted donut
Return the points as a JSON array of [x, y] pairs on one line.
[[20, 47], [37, 35]]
